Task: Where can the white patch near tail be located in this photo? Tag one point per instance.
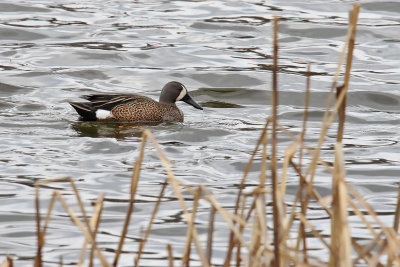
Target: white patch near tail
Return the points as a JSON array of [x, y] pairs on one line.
[[103, 114]]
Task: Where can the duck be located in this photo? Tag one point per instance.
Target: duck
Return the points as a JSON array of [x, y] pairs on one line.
[[136, 108]]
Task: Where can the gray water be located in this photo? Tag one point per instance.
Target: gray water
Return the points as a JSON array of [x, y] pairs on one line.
[[51, 52]]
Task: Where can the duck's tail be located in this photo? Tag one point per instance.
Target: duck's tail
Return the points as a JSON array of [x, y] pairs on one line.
[[85, 110]]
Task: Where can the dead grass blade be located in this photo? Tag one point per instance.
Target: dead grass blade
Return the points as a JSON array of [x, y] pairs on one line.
[[190, 229], [364, 252], [314, 231], [84, 227], [133, 188], [175, 185], [81, 226], [342, 93], [96, 222], [170, 256], [8, 262], [231, 242], [39, 236], [340, 232], [276, 197], [395, 226], [210, 234], [302, 233], [396, 222], [149, 226], [329, 116]]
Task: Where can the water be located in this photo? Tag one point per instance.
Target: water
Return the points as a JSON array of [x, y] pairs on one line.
[[51, 52]]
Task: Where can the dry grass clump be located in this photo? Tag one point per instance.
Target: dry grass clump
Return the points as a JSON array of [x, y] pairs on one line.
[[285, 244]]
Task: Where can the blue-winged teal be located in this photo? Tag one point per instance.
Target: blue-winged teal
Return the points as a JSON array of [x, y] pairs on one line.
[[136, 108]]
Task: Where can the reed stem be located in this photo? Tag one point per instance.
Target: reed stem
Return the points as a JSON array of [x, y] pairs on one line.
[[274, 171]]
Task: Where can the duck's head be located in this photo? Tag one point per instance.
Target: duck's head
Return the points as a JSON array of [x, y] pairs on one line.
[[175, 91]]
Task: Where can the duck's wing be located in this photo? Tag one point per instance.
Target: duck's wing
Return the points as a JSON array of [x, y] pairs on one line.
[[108, 102]]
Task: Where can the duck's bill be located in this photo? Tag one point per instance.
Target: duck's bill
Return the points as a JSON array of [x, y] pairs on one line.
[[190, 101]]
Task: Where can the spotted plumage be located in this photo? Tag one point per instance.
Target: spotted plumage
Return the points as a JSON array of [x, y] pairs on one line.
[[136, 108]]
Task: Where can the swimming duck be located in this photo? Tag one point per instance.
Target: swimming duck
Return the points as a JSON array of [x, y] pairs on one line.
[[136, 108]]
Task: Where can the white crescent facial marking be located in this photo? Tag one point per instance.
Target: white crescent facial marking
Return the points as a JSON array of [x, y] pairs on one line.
[[103, 114], [182, 94]]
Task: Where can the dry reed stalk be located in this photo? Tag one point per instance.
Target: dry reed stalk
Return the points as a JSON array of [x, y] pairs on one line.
[[134, 183], [262, 181], [87, 232], [259, 228], [189, 231], [170, 256], [49, 210], [39, 238], [255, 242], [390, 237], [365, 204], [175, 185], [364, 252], [342, 110], [305, 114], [314, 231], [392, 247], [263, 168], [375, 258], [357, 211], [395, 224], [39, 233], [293, 213], [210, 234], [276, 198], [294, 256], [252, 207], [302, 233], [289, 154], [8, 262], [260, 210], [80, 203], [329, 116], [96, 222], [314, 193], [230, 218], [241, 227], [149, 226], [231, 242], [340, 232], [260, 207]]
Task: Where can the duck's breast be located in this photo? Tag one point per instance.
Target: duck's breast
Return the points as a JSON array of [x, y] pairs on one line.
[[171, 113]]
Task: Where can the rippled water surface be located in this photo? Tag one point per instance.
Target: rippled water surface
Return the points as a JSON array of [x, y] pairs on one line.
[[51, 52]]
